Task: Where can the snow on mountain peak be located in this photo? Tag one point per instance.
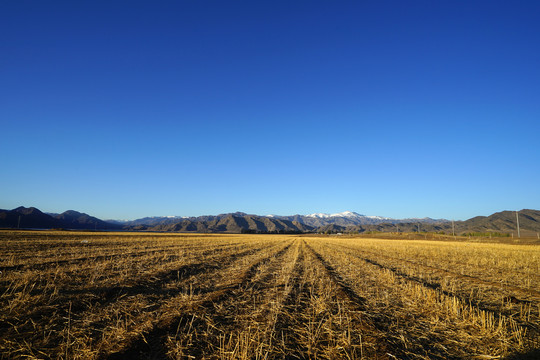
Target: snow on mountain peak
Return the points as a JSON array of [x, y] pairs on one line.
[[347, 214], [319, 215]]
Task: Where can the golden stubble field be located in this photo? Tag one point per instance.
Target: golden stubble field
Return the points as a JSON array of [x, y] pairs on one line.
[[71, 295]]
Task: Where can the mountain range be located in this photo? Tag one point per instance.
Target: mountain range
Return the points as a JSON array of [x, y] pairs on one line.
[[346, 218], [350, 218], [504, 222], [32, 218]]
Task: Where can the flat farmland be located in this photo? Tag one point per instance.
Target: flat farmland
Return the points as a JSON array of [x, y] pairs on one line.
[[94, 295]]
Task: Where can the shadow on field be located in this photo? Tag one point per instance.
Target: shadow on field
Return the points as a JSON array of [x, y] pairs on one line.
[[153, 344], [530, 355]]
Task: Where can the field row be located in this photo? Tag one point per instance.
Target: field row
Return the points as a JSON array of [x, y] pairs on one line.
[[266, 297]]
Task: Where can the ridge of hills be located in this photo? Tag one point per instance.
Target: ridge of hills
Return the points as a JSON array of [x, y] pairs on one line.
[[349, 218], [236, 223], [500, 222], [239, 222], [33, 218], [346, 218]]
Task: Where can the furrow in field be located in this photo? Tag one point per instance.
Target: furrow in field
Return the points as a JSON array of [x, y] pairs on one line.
[[424, 320], [150, 295], [123, 253], [438, 286], [118, 256], [494, 309], [468, 268], [287, 342], [172, 267], [522, 311], [343, 286], [200, 326], [382, 316], [454, 274], [367, 322]]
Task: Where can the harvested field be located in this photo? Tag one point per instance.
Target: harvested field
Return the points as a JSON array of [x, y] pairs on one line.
[[75, 295]]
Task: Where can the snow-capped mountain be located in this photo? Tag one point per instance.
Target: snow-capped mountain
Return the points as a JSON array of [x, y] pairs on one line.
[[347, 218], [346, 214]]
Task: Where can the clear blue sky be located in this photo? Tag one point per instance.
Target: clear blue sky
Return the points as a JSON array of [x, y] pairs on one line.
[[395, 108]]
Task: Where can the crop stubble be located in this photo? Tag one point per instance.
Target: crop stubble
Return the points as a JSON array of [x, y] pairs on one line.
[[154, 296]]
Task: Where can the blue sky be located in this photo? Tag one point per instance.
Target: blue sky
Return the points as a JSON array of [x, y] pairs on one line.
[[392, 108]]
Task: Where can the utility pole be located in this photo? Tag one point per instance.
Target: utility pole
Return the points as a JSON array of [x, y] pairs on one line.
[[517, 219], [419, 228], [453, 229]]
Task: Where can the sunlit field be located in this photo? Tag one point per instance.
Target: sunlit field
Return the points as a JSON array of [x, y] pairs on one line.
[[94, 295]]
